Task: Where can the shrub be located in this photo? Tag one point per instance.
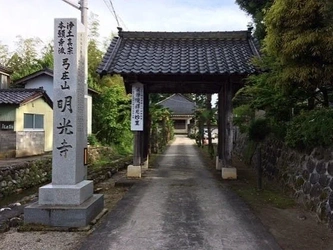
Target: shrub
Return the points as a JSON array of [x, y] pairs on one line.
[[311, 129], [258, 130], [242, 117], [92, 140]]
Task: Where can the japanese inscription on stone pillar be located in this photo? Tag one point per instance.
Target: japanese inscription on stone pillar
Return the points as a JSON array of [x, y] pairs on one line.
[[68, 108], [137, 107]]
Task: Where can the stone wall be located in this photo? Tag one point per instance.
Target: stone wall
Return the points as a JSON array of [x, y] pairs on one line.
[[24, 174], [7, 144], [29, 143], [19, 176], [308, 174]]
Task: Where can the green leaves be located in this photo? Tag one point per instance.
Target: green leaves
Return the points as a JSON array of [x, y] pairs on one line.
[[297, 37], [161, 130], [257, 9], [111, 115], [311, 129]]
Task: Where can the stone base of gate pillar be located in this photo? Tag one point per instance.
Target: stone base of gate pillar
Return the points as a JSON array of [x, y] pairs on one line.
[[145, 165], [134, 171], [229, 173], [218, 163]]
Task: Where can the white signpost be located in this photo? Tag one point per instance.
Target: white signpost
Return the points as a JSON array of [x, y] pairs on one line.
[[137, 107], [69, 199], [137, 120]]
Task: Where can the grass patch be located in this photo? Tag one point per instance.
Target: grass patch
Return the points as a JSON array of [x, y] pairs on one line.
[[266, 196], [272, 193]]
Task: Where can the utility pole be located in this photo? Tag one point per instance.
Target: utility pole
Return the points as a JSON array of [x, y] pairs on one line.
[[82, 5]]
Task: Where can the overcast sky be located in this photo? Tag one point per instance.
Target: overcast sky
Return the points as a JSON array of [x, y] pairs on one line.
[[34, 18]]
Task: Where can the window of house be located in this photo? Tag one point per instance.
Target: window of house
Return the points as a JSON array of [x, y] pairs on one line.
[[33, 121]]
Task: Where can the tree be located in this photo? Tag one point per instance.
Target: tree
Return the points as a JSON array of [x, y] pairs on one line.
[[209, 119], [257, 9], [23, 61], [94, 53], [111, 115], [300, 39], [4, 54], [46, 59]]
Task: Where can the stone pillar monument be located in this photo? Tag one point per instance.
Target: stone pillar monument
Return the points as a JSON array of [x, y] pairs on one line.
[[69, 200]]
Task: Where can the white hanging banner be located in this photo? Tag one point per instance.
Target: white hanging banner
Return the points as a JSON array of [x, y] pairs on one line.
[[137, 107]]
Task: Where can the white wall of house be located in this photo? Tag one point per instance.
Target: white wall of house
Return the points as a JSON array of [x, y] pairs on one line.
[[4, 80], [43, 81], [89, 114], [46, 82], [182, 128]]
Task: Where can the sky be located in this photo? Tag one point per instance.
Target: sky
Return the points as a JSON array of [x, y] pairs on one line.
[[34, 18]]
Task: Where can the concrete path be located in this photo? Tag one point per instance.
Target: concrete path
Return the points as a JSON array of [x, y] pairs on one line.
[[180, 205]]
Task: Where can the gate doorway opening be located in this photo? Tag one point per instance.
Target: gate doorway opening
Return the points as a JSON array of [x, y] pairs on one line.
[[182, 62]]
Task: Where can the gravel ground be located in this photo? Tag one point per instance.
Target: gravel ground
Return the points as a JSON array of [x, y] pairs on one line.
[[53, 240], [13, 240]]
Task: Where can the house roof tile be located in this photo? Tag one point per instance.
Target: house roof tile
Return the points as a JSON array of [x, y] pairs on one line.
[[20, 96], [179, 53], [178, 105]]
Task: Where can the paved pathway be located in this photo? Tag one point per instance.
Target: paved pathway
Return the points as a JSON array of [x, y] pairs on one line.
[[180, 205]]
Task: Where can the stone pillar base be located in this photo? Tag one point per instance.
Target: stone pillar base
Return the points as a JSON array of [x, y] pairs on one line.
[[229, 173], [65, 216], [218, 163], [145, 164], [52, 194], [133, 171]]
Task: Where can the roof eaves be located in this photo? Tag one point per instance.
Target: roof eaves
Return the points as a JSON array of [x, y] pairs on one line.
[[93, 91], [160, 102], [107, 65], [38, 93], [243, 34], [254, 47], [31, 98], [23, 80], [5, 69]]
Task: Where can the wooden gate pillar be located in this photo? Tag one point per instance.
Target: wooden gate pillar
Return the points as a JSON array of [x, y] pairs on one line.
[[221, 130], [225, 139], [146, 130]]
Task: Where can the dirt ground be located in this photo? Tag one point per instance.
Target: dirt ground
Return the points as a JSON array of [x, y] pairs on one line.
[[293, 227]]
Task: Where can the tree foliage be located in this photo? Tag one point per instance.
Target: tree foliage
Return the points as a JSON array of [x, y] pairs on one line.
[[111, 115], [26, 59], [296, 69], [161, 128], [4, 54], [257, 9], [311, 129], [301, 40]]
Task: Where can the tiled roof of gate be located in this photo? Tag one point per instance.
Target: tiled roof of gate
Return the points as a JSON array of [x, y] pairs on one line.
[[180, 53], [18, 96]]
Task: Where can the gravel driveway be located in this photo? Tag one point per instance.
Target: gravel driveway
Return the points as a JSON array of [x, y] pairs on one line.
[[180, 205]]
